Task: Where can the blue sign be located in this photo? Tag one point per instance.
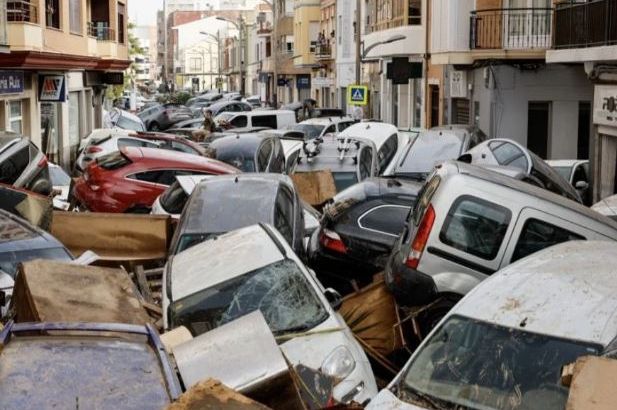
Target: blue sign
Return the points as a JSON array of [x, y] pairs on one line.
[[303, 81], [11, 82], [357, 95]]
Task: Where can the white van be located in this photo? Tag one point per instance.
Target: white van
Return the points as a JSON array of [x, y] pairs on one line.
[[275, 119]]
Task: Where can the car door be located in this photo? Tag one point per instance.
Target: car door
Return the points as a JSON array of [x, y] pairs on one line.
[[14, 163], [284, 218], [277, 159], [386, 152], [263, 155], [365, 165], [536, 230], [239, 121]]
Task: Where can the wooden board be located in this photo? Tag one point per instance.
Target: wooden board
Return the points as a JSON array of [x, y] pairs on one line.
[[48, 291], [593, 384], [371, 314], [212, 394], [314, 187], [114, 237]]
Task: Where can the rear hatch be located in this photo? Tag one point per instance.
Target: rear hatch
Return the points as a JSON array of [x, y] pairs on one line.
[[97, 172]]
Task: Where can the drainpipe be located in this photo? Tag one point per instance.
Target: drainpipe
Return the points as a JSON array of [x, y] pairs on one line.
[[426, 57]]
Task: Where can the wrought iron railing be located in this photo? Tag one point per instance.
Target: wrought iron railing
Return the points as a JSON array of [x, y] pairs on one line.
[[323, 51], [101, 31], [519, 28], [589, 24], [22, 11]]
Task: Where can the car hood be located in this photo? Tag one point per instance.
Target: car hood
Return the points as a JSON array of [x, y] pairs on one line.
[[385, 400]]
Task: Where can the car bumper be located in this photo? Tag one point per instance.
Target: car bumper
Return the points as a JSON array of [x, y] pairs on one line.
[[410, 287]]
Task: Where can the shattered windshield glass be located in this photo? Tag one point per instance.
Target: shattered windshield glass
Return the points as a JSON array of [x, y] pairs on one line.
[[280, 291], [483, 366]]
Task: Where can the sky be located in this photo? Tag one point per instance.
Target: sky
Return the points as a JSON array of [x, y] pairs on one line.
[[143, 12]]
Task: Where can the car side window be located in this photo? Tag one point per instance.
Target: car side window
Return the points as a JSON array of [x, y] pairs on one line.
[[579, 174], [330, 129], [265, 121], [366, 162], [148, 176], [508, 154], [239, 121], [344, 125], [283, 214], [385, 219], [12, 167], [387, 151], [177, 146], [537, 235], [277, 164], [292, 161], [263, 156], [129, 142], [475, 226]]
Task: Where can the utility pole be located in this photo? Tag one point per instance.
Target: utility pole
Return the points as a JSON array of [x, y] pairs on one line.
[[242, 37], [358, 39], [274, 49]]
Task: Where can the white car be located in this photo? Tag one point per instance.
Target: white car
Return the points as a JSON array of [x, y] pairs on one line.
[[575, 171], [61, 182], [318, 127], [105, 141], [117, 118], [607, 207], [389, 142], [252, 268], [503, 346], [172, 201]]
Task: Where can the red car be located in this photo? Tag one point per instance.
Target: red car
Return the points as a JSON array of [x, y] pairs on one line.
[[131, 179], [173, 142]]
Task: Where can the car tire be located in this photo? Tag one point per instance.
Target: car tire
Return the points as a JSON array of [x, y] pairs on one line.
[[154, 126], [138, 209], [431, 317]]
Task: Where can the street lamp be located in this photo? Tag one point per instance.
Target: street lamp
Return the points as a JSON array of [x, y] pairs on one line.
[[218, 47], [364, 51], [240, 27]]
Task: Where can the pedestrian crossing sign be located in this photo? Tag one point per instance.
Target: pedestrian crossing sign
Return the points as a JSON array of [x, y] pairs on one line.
[[357, 95]]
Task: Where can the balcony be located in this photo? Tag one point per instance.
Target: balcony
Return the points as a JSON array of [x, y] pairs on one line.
[[323, 52], [22, 11], [101, 31], [511, 29], [581, 25]]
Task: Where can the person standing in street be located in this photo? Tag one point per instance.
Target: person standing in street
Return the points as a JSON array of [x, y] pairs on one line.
[[207, 128]]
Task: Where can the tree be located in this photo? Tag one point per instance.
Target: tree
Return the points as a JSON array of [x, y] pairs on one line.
[[134, 50]]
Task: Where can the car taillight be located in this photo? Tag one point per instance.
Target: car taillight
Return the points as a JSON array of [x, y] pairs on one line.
[[331, 240], [421, 238], [94, 149]]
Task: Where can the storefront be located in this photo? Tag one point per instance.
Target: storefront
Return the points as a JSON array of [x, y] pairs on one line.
[[604, 160], [18, 103]]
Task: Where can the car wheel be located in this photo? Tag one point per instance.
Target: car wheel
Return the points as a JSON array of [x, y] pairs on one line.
[[138, 209], [154, 126], [431, 317]]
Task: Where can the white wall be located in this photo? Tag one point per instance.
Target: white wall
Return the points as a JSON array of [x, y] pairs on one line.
[[509, 96], [450, 25]]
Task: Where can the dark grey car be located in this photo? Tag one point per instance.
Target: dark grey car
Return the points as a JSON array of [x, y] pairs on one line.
[[223, 203], [22, 165], [250, 152], [161, 117]]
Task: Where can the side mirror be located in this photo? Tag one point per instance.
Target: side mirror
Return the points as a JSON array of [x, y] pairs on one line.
[[581, 185], [334, 298]]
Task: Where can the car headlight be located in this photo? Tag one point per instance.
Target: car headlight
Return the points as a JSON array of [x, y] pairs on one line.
[[339, 363]]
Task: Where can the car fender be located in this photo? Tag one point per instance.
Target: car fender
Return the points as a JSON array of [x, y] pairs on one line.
[[455, 282]]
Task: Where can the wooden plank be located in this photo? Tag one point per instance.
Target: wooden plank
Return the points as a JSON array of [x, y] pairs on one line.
[[314, 187], [212, 394]]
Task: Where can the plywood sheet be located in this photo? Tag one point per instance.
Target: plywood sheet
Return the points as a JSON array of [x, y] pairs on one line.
[[593, 385], [314, 187]]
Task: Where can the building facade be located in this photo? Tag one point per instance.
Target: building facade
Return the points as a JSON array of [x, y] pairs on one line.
[[62, 56]]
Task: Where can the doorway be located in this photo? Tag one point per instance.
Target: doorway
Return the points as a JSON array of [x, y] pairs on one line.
[[434, 93], [584, 129], [538, 127]]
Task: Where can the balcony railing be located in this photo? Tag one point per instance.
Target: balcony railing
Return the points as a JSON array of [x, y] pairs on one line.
[[520, 28], [101, 31], [590, 24], [22, 11], [323, 51]]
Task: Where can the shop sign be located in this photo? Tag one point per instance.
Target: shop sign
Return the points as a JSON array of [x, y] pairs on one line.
[[303, 81], [458, 84], [11, 82], [323, 82], [52, 88], [605, 105]]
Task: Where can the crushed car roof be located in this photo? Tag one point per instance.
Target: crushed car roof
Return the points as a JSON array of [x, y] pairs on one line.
[[568, 291]]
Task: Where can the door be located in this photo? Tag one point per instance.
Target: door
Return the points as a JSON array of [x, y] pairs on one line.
[[434, 92], [538, 127], [527, 24], [584, 129]]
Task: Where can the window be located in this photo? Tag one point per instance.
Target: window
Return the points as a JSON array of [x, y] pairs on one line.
[[178, 146], [415, 12], [476, 227], [331, 129], [265, 121], [342, 126], [387, 151], [12, 167], [292, 161], [508, 154], [148, 176], [195, 64], [537, 235], [386, 219], [366, 163], [289, 44], [52, 13], [263, 156], [121, 13], [239, 121], [130, 142], [283, 214], [15, 116], [278, 158], [75, 16]]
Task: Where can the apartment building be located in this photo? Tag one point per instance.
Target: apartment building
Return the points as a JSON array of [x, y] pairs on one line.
[[145, 64], [393, 50], [585, 37], [306, 28], [62, 56], [323, 81]]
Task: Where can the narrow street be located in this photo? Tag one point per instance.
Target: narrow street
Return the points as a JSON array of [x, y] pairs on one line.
[[308, 204]]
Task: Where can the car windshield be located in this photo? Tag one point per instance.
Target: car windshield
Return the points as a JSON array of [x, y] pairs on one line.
[[564, 172], [343, 180], [9, 261], [484, 366], [280, 291], [128, 124], [310, 130], [424, 154], [112, 161], [59, 177], [238, 160]]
